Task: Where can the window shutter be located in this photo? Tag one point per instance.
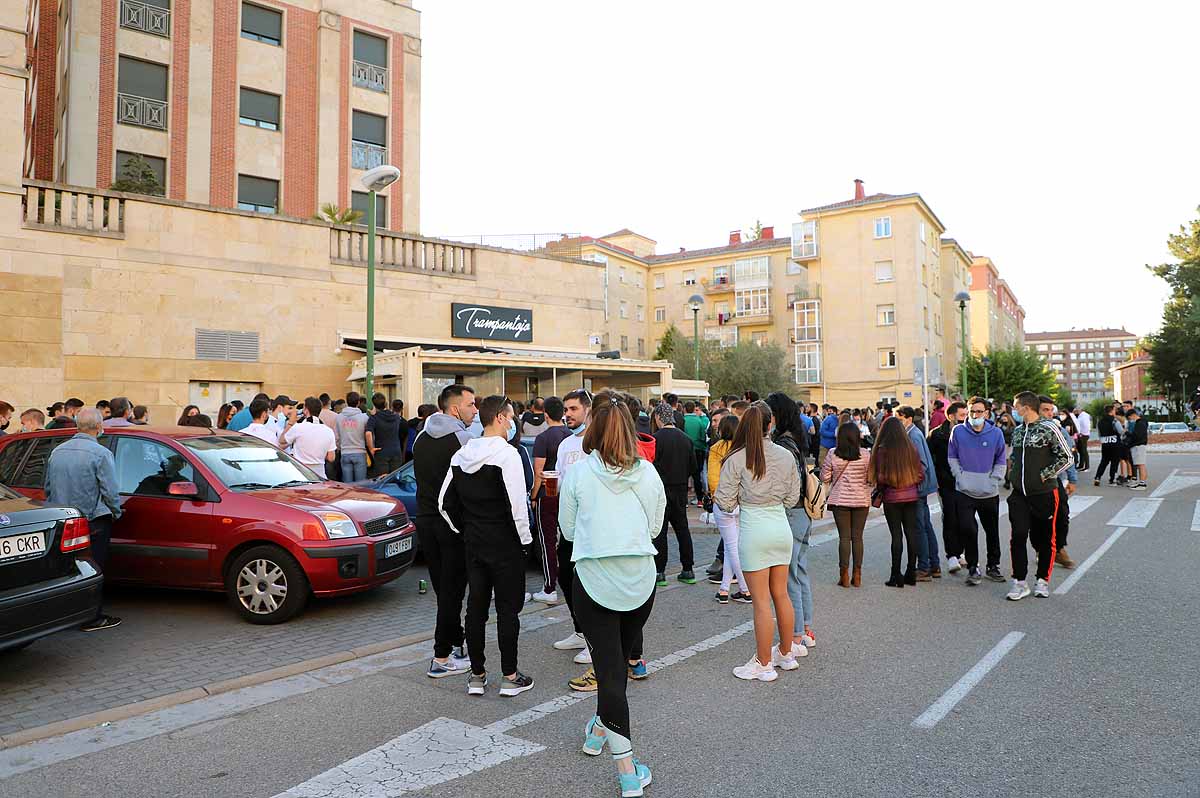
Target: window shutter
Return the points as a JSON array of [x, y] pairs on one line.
[[260, 106], [141, 78], [262, 21]]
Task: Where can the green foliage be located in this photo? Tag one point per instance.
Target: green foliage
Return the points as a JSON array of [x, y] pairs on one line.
[[735, 369], [1176, 345], [1064, 398], [138, 177], [668, 343], [1009, 372], [333, 214], [1095, 408], [755, 231]]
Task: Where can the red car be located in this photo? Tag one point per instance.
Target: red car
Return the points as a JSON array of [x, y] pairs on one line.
[[217, 510]]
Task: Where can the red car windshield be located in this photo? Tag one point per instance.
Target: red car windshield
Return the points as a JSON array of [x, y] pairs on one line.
[[245, 463]]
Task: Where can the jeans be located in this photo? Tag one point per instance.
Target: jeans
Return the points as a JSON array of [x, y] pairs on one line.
[[731, 566], [1033, 521], [927, 545], [902, 523], [446, 558], [676, 517], [495, 570], [354, 466], [799, 584]]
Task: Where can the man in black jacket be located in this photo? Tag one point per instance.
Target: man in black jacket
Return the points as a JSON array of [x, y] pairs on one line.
[[939, 445], [385, 436], [444, 434], [1138, 436], [675, 459]]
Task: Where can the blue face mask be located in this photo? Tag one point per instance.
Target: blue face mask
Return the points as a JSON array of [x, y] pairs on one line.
[[512, 430]]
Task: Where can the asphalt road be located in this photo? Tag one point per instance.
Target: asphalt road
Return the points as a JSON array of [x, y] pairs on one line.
[[1091, 692]]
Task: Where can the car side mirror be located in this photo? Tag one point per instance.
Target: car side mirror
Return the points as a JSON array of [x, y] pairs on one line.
[[188, 489]]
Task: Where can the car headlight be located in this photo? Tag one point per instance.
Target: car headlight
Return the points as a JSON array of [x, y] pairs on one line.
[[338, 525]]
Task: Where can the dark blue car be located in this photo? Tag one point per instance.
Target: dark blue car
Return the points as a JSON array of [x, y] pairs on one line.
[[400, 484]]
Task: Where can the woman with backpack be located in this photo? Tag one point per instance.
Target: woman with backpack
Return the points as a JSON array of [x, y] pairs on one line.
[[727, 523], [847, 470], [896, 471], [760, 478]]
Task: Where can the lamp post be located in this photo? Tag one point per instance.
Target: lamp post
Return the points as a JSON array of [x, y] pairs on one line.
[[962, 298], [1183, 375], [373, 181], [986, 361], [695, 302]]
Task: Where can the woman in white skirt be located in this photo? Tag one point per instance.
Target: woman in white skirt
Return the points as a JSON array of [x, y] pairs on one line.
[[760, 479]]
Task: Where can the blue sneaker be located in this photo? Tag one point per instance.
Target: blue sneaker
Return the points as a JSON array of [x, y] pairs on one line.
[[453, 666], [594, 744], [633, 783], [638, 672]]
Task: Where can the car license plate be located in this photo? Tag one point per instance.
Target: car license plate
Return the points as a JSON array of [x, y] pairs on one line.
[[398, 547], [20, 546]]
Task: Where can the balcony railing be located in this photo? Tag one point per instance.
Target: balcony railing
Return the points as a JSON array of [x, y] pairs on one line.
[[143, 111], [369, 76], [716, 285], [366, 156], [803, 294], [742, 317], [137, 15], [66, 209], [348, 245]]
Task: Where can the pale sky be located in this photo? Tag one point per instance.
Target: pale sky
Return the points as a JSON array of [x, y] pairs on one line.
[[1058, 138]]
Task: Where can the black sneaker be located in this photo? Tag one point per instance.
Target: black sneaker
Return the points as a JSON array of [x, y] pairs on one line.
[[722, 598], [660, 580], [993, 573], [714, 580], [103, 622], [974, 577], [742, 598], [516, 685], [687, 577], [715, 567]]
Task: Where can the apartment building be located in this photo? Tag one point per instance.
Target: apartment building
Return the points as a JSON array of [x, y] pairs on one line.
[[956, 316], [1083, 360], [266, 106], [997, 318]]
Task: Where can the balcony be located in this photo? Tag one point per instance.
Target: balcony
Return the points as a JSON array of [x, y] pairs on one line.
[[147, 18], [717, 285], [67, 209], [141, 111], [366, 156], [348, 246], [369, 76], [803, 294], [735, 318]]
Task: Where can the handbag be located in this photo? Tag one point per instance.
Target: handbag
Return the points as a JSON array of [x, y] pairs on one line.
[[816, 494], [877, 496]]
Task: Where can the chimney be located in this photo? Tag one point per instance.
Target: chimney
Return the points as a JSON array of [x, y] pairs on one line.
[[859, 193], [768, 233], [735, 237]]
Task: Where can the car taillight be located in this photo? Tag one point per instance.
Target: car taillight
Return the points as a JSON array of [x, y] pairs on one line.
[[75, 535]]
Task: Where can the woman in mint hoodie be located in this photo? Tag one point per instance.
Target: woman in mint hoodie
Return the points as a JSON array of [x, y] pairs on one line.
[[611, 506]]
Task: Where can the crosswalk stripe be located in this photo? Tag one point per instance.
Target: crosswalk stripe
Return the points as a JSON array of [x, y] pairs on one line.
[[1196, 517], [1136, 512], [1083, 567]]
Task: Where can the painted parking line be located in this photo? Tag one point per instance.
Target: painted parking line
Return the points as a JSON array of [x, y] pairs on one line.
[[1083, 567], [942, 707], [445, 749], [1136, 512], [1196, 517]]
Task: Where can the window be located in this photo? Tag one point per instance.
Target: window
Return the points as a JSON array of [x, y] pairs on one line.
[[624, 312], [725, 336], [141, 93], [33, 473], [369, 69], [887, 358], [804, 240], [758, 337], [262, 24], [660, 280], [1056, 347], [722, 309], [883, 227], [258, 109], [641, 312], [884, 273], [621, 274], [368, 146], [10, 460], [808, 321], [922, 230], [720, 275], [641, 347], [924, 275], [808, 364], [624, 342], [147, 468], [925, 314], [752, 302], [361, 201], [1042, 347], [660, 314], [258, 194], [1114, 344], [157, 165], [1074, 355], [689, 276], [752, 271], [885, 315], [1072, 346]]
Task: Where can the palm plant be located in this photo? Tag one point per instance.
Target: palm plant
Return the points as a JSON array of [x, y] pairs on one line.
[[331, 213]]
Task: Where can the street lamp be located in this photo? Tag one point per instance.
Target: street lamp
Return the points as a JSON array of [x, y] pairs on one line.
[[695, 302], [962, 298], [373, 181], [1183, 378], [986, 361]]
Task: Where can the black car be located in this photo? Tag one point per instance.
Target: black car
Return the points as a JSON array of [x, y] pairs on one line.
[[48, 580]]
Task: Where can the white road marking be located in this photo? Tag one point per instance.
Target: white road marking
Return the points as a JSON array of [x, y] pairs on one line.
[[1078, 503], [1160, 490], [942, 707], [446, 749], [1196, 517], [1083, 567], [1173, 483], [1136, 512]]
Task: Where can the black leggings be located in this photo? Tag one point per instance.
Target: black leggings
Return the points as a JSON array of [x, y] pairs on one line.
[[902, 517], [611, 637], [1110, 455]]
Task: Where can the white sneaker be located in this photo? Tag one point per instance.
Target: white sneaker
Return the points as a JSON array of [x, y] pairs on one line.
[[546, 598], [756, 670], [571, 641], [584, 657], [808, 640], [1042, 589], [528, 597], [952, 565], [1019, 590], [799, 650], [786, 662]]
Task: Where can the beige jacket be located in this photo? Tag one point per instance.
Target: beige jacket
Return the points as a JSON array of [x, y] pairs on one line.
[[780, 485]]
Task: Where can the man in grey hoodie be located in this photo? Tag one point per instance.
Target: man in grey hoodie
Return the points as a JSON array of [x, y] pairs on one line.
[[352, 438]]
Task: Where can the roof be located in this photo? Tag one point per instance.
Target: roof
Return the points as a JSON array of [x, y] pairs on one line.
[[1089, 332], [870, 199], [1144, 360], [745, 246], [625, 231]]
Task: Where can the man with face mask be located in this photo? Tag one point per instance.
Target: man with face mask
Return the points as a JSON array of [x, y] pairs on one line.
[[977, 460], [444, 433]]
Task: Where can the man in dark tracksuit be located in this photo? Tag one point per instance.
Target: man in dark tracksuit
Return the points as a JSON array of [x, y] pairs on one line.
[[1040, 453], [443, 434], [675, 459], [484, 498], [939, 444]]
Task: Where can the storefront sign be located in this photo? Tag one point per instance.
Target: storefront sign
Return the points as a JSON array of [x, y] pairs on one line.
[[491, 323]]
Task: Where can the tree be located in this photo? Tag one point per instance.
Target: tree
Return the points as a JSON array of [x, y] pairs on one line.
[[734, 369], [333, 214], [1009, 372], [1064, 398], [138, 177], [1175, 347], [1095, 409], [755, 231], [668, 343]]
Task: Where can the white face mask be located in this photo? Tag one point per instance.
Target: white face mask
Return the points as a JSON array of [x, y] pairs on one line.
[[977, 422]]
